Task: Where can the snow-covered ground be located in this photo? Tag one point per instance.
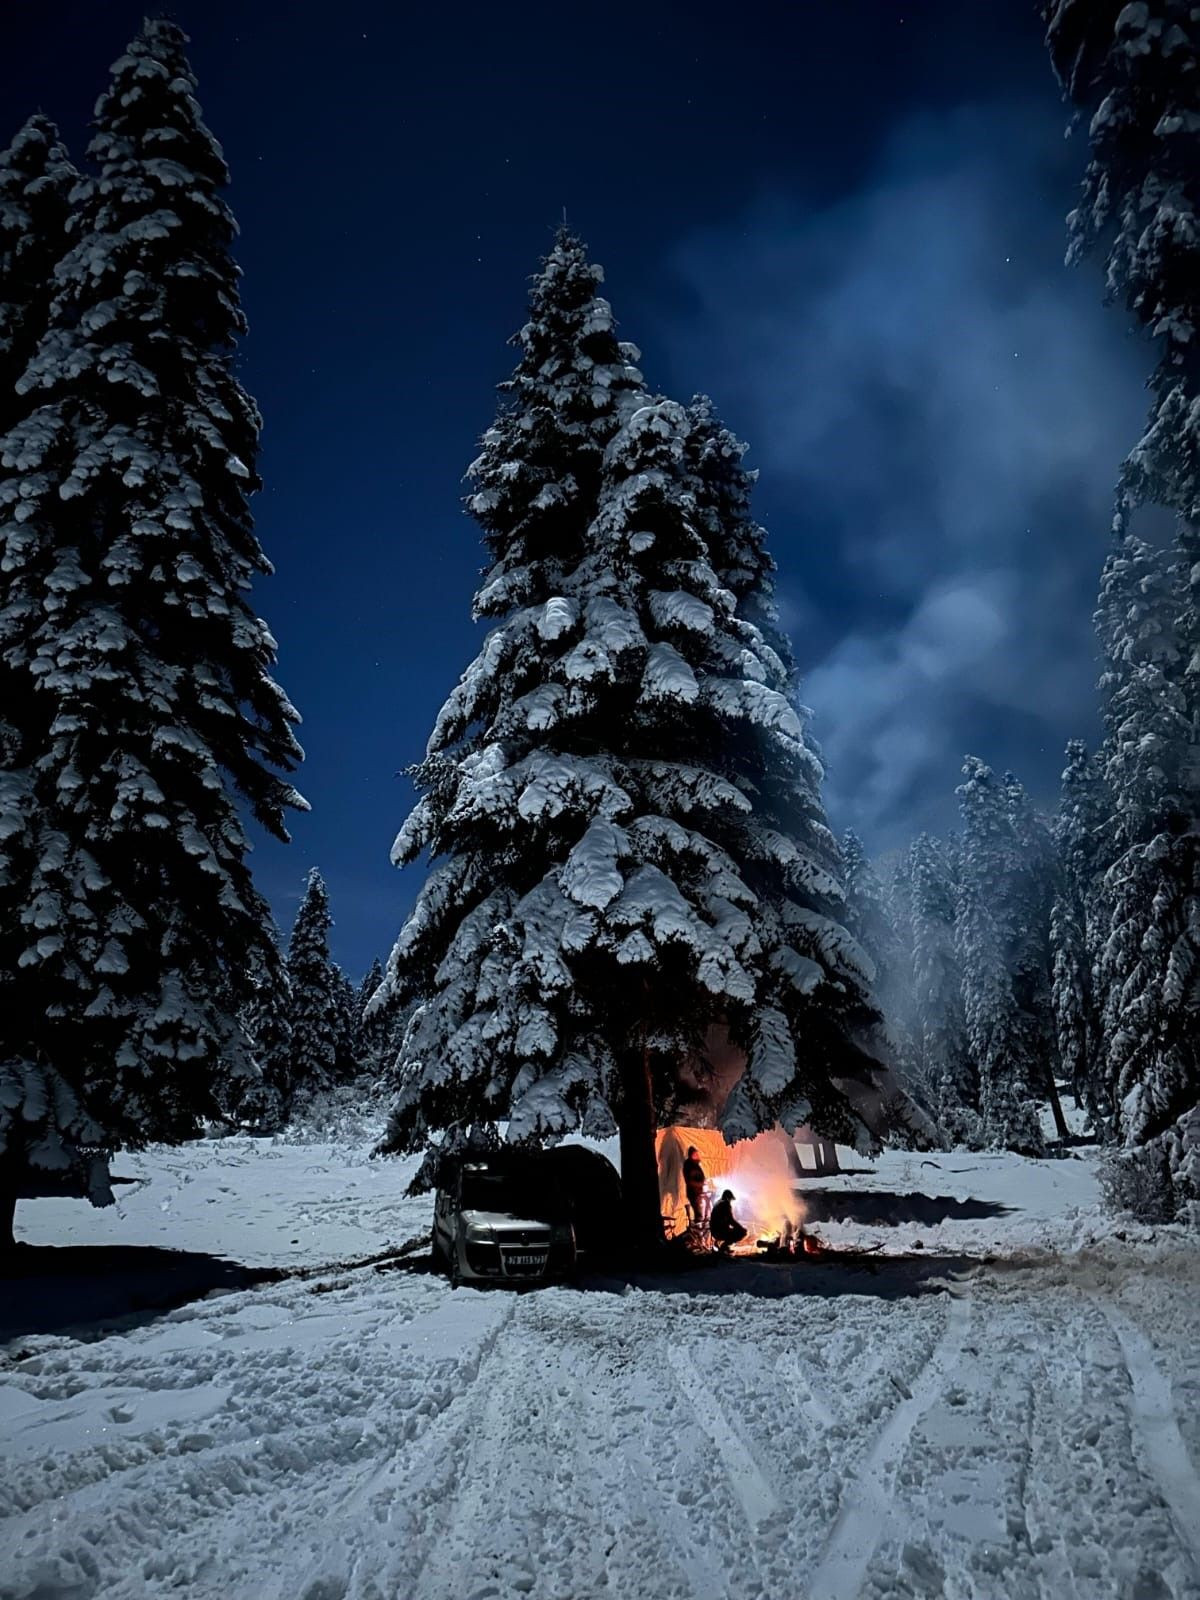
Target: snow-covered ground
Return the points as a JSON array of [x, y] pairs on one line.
[[919, 1423]]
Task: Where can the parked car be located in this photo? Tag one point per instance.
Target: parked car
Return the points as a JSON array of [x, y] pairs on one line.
[[502, 1217], [592, 1186]]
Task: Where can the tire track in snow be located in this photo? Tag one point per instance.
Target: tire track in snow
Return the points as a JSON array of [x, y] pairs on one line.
[[687, 1536], [624, 1454], [506, 1526], [446, 1570], [758, 1499], [367, 1515], [301, 1458], [599, 1511], [1152, 1414], [810, 1398], [867, 1506]]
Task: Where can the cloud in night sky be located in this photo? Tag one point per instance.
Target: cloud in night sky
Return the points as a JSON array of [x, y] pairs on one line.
[[938, 407]]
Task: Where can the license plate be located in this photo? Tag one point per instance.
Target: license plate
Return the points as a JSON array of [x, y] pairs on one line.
[[516, 1260]]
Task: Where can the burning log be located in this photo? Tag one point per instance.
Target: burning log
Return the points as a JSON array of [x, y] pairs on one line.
[[793, 1244]]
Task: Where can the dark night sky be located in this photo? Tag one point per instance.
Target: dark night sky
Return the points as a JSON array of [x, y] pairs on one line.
[[845, 222]]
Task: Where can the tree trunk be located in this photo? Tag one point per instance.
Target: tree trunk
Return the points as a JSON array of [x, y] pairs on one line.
[[1060, 1122], [639, 1158], [8, 1208]]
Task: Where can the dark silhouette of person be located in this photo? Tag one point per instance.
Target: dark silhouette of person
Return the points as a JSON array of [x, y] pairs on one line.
[[693, 1182], [723, 1226]]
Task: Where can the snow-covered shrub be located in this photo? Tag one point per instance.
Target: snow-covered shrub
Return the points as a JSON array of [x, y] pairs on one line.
[[1137, 1183], [349, 1113]]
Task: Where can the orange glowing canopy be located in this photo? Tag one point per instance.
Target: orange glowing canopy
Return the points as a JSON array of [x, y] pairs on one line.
[[761, 1172]]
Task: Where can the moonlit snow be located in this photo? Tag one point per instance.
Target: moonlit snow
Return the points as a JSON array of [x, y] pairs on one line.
[[1008, 1410]]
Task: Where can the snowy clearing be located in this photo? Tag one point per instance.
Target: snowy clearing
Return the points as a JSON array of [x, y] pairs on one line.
[[918, 1423]]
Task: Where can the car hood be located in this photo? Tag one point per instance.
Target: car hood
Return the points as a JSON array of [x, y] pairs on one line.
[[505, 1222]]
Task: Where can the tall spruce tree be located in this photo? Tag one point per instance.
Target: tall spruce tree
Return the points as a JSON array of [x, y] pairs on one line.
[[1032, 890], [265, 1100], [132, 931], [1133, 69], [995, 1025], [321, 1015], [871, 917], [866, 915], [349, 1015], [1149, 966], [623, 806], [1082, 834], [944, 1062], [36, 180], [376, 1026]]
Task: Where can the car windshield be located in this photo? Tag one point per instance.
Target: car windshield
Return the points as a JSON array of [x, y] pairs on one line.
[[511, 1195]]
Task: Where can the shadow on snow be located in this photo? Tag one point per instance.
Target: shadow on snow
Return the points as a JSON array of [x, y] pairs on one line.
[[830, 1275], [92, 1288], [881, 1208]]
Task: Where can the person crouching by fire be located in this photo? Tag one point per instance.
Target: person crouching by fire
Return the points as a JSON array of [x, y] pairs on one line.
[[694, 1185], [723, 1227]]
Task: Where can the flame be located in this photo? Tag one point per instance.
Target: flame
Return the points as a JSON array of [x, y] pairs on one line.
[[760, 1171]]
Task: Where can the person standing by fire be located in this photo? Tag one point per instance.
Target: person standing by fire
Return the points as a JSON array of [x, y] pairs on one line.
[[723, 1226], [694, 1184]]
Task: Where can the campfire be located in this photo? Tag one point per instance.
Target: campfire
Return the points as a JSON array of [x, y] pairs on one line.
[[761, 1172], [793, 1244]]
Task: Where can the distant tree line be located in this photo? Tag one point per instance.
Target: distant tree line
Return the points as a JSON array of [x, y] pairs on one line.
[[313, 1030]]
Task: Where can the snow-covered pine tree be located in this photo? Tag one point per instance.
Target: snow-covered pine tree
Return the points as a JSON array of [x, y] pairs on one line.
[[36, 179], [994, 1024], [321, 1043], [870, 919], [537, 477], [1148, 971], [535, 492], [944, 1062], [1082, 833], [132, 930], [349, 1026], [866, 915], [628, 827], [1133, 70], [723, 488], [1030, 905], [265, 1101], [376, 1026], [894, 872]]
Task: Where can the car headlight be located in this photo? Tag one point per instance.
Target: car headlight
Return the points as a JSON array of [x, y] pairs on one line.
[[481, 1235]]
